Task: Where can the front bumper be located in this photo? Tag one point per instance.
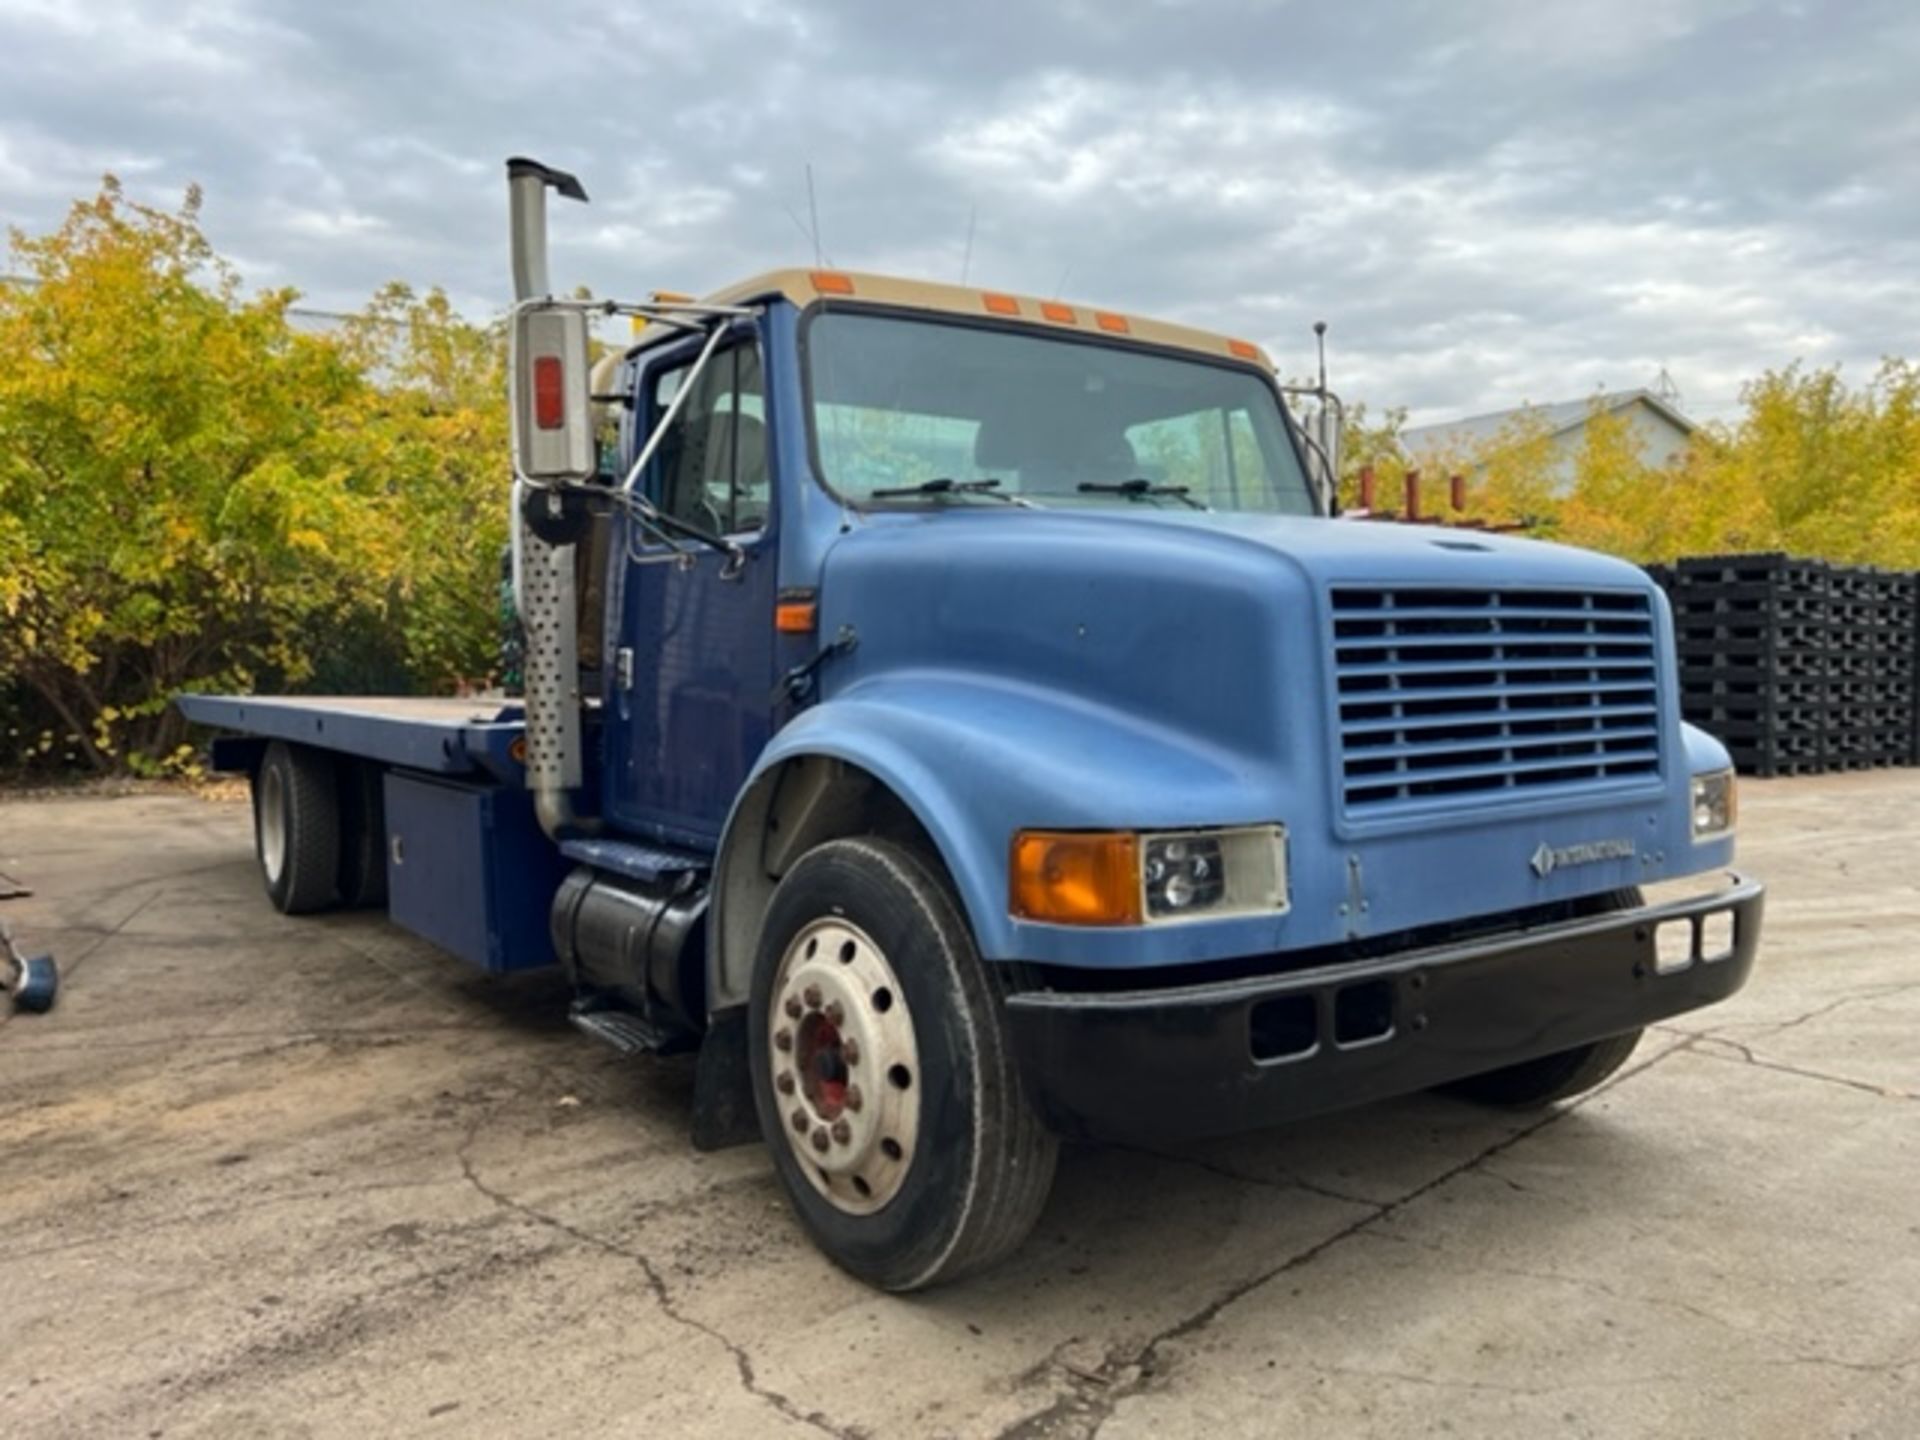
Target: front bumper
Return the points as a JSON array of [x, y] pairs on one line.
[[1235, 1055]]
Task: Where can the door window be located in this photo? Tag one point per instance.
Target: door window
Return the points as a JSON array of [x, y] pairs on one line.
[[711, 469]]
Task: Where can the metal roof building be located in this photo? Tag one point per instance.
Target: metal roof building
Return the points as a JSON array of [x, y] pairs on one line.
[[1661, 432]]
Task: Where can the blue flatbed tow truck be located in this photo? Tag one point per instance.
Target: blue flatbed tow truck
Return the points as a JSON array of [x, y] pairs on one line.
[[962, 720]]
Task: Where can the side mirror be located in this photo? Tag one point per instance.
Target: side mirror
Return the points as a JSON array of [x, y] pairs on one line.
[[1328, 424], [553, 439]]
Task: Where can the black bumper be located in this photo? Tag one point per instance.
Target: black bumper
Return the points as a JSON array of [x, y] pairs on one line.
[[1236, 1055]]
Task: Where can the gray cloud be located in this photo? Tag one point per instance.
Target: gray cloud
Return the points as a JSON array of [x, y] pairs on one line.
[[1491, 202]]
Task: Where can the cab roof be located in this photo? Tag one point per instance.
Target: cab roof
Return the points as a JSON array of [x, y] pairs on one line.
[[854, 288]]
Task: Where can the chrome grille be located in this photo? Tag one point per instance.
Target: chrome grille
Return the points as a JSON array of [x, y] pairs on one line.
[[1491, 693]]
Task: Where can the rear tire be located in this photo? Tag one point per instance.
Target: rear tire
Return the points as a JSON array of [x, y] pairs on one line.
[[886, 1090], [1533, 1084], [363, 834], [296, 827]]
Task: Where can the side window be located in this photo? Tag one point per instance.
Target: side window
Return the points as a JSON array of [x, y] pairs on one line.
[[712, 465]]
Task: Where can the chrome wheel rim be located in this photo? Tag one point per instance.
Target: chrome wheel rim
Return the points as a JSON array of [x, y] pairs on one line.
[[273, 824], [845, 1065]]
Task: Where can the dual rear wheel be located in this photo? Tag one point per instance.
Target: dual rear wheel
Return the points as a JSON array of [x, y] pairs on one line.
[[318, 828]]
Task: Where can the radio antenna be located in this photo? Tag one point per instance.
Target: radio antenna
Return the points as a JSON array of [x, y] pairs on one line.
[[813, 213]]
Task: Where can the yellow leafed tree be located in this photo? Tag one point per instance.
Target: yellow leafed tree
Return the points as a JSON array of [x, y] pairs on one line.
[[193, 494]]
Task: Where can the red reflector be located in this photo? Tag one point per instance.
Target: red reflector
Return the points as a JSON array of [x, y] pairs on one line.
[[549, 399]]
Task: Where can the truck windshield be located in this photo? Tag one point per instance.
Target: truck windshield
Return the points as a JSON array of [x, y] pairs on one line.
[[901, 402]]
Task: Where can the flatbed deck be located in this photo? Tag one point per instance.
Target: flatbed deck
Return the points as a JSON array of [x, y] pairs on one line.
[[447, 735]]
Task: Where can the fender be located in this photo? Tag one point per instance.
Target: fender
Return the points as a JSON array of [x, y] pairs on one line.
[[1704, 753], [975, 758]]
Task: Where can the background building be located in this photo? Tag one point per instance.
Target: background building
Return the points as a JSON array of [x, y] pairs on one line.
[[1660, 431]]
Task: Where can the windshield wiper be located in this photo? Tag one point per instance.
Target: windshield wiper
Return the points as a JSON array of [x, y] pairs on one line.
[[1139, 489], [947, 485]]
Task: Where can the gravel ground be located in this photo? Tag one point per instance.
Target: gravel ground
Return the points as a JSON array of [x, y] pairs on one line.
[[267, 1177]]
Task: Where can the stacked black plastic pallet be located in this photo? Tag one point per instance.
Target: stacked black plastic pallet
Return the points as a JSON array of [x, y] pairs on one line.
[[1796, 665]]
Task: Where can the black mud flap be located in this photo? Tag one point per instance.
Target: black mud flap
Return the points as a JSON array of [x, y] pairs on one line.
[[723, 1113]]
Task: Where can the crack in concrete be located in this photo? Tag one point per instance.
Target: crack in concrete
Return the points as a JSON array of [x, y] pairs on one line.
[[1744, 1054], [1288, 1179], [68, 967], [1793, 1354], [11, 1254], [282, 1038], [1129, 1373], [661, 1292], [1879, 992], [1657, 1377]]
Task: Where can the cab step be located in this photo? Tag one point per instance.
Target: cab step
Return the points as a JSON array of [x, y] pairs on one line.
[[625, 1031], [650, 864]]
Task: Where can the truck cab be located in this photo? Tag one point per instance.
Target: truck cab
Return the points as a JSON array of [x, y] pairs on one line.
[[960, 717]]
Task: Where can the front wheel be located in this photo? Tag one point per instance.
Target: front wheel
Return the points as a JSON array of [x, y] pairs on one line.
[[887, 1093], [1560, 1076], [1532, 1084]]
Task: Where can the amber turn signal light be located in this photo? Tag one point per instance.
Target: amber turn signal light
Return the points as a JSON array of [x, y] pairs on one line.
[[795, 617], [1069, 877]]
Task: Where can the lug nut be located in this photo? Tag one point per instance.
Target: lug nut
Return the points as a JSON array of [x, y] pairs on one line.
[[783, 1039], [820, 1141], [799, 1120], [854, 1099], [783, 1082], [792, 1008], [842, 1132], [836, 1017], [812, 996], [850, 1050]]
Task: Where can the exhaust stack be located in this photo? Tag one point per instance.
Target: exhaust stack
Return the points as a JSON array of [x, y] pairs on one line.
[[552, 429]]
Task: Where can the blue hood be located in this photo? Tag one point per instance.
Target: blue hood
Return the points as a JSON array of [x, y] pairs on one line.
[[1141, 669], [1197, 621]]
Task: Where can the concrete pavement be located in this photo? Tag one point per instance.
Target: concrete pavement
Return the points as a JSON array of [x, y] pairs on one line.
[[273, 1177]]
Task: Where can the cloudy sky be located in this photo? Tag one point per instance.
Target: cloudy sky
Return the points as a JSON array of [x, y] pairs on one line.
[[1490, 200]]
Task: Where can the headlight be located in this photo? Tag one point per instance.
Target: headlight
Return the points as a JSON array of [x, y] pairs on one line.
[[1124, 878], [1715, 805]]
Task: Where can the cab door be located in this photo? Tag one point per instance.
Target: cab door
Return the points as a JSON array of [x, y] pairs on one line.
[[690, 692]]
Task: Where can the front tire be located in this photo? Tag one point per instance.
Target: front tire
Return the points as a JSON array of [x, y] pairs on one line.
[[1534, 1084], [887, 1092], [296, 828]]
